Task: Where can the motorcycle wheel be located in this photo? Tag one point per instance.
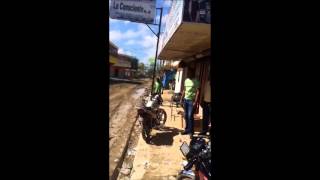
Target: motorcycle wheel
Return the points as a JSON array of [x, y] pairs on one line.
[[146, 129], [162, 117], [185, 177]]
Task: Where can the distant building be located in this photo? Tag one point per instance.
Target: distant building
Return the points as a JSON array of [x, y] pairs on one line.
[[125, 67], [134, 67], [113, 55]]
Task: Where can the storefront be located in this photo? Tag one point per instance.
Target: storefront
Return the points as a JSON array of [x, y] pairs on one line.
[[187, 37], [125, 67]]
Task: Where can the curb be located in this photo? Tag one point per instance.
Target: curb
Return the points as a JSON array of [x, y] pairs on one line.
[[116, 171]]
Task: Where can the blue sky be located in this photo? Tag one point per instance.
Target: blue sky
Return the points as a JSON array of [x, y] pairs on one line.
[[136, 39]]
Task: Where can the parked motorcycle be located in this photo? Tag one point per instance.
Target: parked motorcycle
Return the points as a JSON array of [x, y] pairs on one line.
[[151, 116], [198, 154]]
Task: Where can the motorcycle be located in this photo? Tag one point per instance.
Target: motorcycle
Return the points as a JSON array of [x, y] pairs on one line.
[[151, 116], [198, 154]]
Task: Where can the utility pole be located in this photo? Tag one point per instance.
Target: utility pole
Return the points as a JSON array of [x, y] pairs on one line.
[[156, 56]]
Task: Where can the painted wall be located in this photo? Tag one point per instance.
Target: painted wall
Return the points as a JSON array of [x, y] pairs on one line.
[[179, 81]]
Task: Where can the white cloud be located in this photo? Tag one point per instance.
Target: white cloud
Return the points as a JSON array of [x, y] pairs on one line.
[[115, 35], [157, 19], [118, 21], [121, 51], [141, 42], [151, 52], [167, 3], [142, 28], [131, 42], [130, 34], [112, 20], [149, 42]]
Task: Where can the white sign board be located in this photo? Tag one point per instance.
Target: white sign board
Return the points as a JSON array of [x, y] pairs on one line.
[[141, 11], [172, 23]]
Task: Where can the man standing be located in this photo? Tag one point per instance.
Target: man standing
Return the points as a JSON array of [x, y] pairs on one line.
[[206, 107], [161, 80], [190, 94], [157, 86]]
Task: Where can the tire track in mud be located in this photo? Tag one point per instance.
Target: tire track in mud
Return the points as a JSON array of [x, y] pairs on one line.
[[119, 106], [124, 114], [119, 93], [121, 122]]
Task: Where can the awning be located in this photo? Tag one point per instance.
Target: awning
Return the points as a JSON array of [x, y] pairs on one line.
[[188, 40], [171, 64]]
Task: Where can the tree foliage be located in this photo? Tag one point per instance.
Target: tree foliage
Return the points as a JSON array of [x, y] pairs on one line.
[[151, 61]]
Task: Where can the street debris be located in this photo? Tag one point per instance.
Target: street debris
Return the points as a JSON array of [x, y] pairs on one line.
[[126, 168], [125, 171], [131, 152], [146, 164]]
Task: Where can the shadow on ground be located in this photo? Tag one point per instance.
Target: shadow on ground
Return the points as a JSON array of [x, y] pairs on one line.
[[165, 136]]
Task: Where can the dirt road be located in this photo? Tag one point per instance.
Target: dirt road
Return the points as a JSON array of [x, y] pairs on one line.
[[122, 100]]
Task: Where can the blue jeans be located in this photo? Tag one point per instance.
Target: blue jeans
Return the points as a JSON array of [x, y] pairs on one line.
[[206, 116], [188, 115]]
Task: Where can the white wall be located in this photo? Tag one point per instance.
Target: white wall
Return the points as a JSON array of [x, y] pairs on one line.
[[179, 80]]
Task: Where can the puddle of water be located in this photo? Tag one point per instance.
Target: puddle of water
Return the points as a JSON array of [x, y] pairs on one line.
[[138, 93]]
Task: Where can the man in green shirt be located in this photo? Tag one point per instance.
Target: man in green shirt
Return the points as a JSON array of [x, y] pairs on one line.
[[157, 88], [190, 94]]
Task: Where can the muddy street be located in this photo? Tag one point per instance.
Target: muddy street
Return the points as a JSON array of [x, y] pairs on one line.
[[122, 101], [160, 160]]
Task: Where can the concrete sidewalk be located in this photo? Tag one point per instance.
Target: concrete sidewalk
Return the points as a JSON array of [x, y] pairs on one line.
[[162, 159]]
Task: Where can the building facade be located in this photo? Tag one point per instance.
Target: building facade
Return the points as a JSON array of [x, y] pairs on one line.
[[125, 67], [187, 37], [113, 55]]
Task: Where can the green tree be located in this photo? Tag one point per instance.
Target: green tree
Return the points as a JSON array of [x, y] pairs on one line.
[[151, 61]]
